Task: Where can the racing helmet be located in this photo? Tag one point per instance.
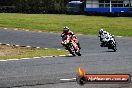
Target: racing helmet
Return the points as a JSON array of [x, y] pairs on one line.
[[101, 31], [65, 29]]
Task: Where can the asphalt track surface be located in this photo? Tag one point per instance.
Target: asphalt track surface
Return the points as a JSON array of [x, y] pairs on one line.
[[47, 72]]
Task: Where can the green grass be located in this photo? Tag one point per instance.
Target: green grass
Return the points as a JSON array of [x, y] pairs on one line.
[[78, 23], [29, 53]]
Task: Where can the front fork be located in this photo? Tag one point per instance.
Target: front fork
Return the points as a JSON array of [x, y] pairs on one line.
[[75, 46]]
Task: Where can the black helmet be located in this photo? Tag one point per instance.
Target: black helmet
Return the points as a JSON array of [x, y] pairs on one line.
[[65, 29]]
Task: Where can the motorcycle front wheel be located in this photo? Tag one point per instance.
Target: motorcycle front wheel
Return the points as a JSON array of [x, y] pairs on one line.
[[70, 48], [114, 47], [78, 53]]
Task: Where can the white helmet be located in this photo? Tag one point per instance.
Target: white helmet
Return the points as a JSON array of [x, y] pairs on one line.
[[65, 29], [101, 31]]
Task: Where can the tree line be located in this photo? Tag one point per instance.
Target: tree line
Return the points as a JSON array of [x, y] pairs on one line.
[[34, 6]]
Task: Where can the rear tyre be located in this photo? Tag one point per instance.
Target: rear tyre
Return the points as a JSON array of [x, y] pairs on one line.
[[112, 46]]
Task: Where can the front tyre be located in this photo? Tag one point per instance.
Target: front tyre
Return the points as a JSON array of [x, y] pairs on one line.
[[114, 48], [72, 53], [71, 50], [78, 53], [112, 45]]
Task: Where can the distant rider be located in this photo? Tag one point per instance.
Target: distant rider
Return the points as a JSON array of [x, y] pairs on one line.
[[104, 37], [67, 31]]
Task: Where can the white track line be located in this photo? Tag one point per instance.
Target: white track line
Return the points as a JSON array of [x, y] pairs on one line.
[[119, 36], [68, 79], [3, 60], [69, 54], [26, 30], [58, 49], [62, 55], [17, 45], [39, 31], [24, 58], [36, 57], [12, 59], [15, 29], [8, 44], [37, 47], [28, 46]]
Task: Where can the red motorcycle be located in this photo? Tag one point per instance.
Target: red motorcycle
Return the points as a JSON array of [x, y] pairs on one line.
[[70, 45]]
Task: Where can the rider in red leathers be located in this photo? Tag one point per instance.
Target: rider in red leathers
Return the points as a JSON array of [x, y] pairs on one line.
[[66, 31]]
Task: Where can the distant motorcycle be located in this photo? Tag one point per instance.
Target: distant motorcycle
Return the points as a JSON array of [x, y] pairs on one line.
[[70, 45], [110, 43]]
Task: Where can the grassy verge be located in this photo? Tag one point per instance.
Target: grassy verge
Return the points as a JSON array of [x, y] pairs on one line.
[[78, 23], [10, 52]]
